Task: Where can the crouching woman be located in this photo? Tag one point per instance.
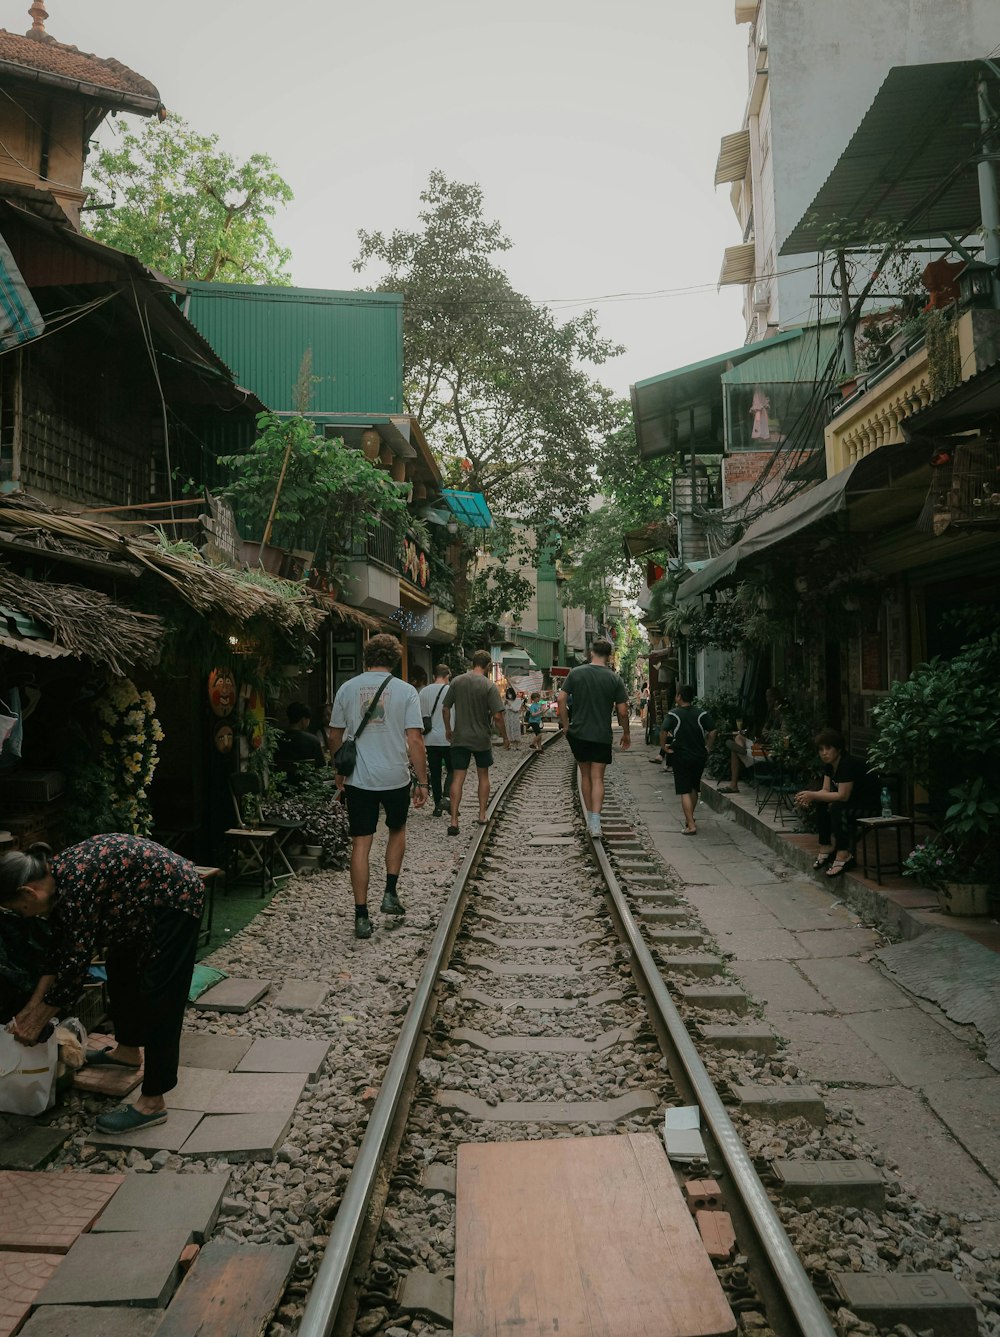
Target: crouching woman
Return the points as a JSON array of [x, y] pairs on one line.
[[137, 904], [836, 802]]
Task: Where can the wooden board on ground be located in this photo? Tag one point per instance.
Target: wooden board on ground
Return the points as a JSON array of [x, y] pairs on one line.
[[232, 1290], [584, 1237]]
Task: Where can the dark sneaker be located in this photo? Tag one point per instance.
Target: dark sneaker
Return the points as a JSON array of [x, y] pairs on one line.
[[438, 810], [392, 905], [127, 1119], [362, 926]]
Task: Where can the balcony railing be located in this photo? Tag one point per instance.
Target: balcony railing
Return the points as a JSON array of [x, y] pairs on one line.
[[411, 561]]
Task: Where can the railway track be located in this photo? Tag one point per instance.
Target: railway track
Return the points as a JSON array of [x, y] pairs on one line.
[[541, 1013]]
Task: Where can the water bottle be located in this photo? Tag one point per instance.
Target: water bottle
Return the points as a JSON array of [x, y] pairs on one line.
[[886, 802]]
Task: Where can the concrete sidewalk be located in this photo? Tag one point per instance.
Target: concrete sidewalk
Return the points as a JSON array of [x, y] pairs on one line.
[[918, 1080]]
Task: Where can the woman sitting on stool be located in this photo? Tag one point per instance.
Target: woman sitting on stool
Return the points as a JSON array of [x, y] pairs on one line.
[[835, 814]]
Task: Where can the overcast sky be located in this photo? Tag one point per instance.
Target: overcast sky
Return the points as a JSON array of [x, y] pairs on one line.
[[593, 129]]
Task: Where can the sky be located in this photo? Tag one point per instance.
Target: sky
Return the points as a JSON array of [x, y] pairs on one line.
[[592, 128]]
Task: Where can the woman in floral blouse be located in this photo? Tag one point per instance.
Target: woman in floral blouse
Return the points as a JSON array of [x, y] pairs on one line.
[[140, 906]]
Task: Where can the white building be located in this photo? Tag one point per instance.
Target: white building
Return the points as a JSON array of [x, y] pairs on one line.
[[814, 69]]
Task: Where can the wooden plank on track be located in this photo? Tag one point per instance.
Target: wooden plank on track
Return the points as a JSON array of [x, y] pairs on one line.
[[584, 1237], [231, 1291]]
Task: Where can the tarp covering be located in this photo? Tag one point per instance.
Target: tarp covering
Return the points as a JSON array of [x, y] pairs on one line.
[[20, 318]]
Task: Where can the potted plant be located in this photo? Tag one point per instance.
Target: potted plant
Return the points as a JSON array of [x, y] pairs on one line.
[[940, 867]]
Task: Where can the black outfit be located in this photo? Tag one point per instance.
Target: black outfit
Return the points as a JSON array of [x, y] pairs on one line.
[[296, 748], [836, 822], [141, 904], [686, 727], [438, 758]]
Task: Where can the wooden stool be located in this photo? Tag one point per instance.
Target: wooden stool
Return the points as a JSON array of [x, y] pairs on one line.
[[254, 845], [209, 876], [868, 825]]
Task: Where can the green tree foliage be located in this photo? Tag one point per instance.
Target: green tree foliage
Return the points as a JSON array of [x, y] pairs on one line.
[[327, 493], [186, 208], [495, 381]]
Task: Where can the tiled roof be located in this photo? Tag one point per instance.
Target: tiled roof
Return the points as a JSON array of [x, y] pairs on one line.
[[50, 57]]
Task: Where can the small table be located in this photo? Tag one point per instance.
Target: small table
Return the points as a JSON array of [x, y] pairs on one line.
[[255, 843], [209, 876], [868, 825]]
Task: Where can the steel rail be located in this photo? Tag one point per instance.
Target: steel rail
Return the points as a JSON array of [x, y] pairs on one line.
[[327, 1292], [803, 1303]]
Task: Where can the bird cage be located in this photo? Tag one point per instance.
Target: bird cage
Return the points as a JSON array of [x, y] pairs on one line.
[[974, 497]]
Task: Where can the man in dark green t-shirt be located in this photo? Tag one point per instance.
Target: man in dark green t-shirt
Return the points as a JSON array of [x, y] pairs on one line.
[[596, 691]]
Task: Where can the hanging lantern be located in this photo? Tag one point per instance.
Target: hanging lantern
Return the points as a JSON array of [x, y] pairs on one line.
[[371, 443]]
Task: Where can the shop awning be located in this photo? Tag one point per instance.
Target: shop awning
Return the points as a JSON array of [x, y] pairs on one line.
[[470, 508], [20, 318], [911, 163], [734, 157], [872, 473], [738, 264]]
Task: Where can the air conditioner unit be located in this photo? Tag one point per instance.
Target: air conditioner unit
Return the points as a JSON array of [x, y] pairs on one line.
[[762, 296]]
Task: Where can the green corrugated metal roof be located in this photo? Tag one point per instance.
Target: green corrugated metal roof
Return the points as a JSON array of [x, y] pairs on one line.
[[901, 165], [787, 361], [471, 508], [263, 333]]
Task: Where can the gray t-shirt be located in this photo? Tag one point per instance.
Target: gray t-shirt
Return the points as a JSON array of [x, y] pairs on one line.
[[383, 762], [432, 703], [595, 690], [473, 700]]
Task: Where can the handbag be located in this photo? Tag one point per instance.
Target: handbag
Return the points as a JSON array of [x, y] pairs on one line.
[[429, 719], [346, 756], [28, 1074]]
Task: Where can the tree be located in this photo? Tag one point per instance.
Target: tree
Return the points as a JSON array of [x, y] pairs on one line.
[[170, 197], [498, 385]]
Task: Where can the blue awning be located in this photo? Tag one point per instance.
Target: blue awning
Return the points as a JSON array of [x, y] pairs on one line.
[[20, 318], [468, 507]]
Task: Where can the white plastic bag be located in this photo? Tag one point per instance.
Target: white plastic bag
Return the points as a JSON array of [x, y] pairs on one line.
[[27, 1075]]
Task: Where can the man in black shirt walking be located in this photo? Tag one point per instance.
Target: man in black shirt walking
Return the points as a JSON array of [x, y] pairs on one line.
[[688, 735], [596, 691]]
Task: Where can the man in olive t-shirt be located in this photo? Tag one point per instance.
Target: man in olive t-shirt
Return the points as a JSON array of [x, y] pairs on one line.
[[471, 707], [596, 691]]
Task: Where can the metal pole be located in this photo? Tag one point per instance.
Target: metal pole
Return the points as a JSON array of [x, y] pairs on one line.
[[846, 317], [989, 193]]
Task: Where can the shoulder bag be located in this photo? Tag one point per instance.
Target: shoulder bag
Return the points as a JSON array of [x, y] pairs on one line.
[[346, 756], [429, 719]]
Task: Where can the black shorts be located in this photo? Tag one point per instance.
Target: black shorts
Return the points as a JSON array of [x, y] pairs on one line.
[[461, 756], [535, 726], [687, 774], [363, 806], [584, 750]]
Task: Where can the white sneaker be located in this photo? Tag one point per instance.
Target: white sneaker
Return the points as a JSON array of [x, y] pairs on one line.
[[594, 823]]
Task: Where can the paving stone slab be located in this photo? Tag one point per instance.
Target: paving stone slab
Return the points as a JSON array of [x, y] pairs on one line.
[[231, 1291], [46, 1213], [694, 963], [91, 1321], [836, 942], [914, 1047], [969, 1108], [544, 1044], [550, 1111], [852, 985], [238, 1136], [222, 1052], [140, 1269], [768, 944], [301, 995], [828, 1050], [28, 1148], [780, 985], [169, 1136], [829, 1183], [438, 1178], [271, 1055], [716, 1231], [214, 1092], [782, 1102], [22, 1276], [106, 1081], [715, 997], [926, 1301], [232, 995], [167, 1201], [748, 1039], [423, 1292]]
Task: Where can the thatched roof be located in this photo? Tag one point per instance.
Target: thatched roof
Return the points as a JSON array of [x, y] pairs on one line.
[[81, 622], [211, 590]]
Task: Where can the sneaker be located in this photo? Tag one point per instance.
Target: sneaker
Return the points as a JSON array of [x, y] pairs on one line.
[[438, 810], [392, 905], [594, 824], [362, 926], [127, 1118]]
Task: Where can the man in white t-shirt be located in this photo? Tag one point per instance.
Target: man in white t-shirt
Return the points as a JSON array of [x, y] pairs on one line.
[[389, 742], [436, 741]]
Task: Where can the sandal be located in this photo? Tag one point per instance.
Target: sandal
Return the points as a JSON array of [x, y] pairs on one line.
[[840, 866], [100, 1058], [727, 789], [823, 859]]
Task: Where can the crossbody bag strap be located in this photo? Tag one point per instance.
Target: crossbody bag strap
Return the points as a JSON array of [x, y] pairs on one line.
[[371, 709], [437, 699]]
